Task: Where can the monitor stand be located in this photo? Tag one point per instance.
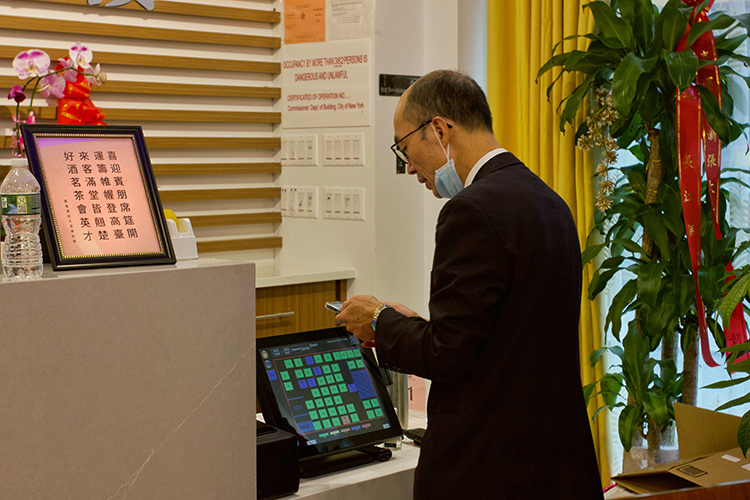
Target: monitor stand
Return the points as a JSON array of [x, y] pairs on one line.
[[317, 466]]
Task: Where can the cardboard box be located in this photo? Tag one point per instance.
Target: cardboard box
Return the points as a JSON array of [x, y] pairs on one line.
[[709, 455]]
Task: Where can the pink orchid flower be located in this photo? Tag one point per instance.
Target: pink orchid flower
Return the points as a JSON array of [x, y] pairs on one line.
[[31, 63], [98, 76], [81, 55], [16, 93], [52, 85], [69, 72]]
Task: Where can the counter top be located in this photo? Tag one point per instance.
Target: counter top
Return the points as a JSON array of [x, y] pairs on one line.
[[268, 275]]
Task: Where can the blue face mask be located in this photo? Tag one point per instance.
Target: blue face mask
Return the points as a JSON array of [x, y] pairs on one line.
[[447, 181]]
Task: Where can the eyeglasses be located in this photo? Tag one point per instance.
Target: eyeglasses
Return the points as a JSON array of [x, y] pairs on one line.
[[400, 152]]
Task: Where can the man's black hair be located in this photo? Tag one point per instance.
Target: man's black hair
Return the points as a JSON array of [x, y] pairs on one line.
[[451, 95]]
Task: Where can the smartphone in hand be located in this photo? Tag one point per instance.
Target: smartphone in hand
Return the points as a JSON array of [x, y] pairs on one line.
[[334, 306]]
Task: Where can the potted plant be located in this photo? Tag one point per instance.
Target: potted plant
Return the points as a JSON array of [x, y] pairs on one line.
[[639, 61]]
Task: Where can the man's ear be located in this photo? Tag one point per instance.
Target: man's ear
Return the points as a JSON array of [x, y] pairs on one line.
[[443, 129]]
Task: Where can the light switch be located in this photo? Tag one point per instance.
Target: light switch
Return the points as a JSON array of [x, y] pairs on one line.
[[344, 203], [337, 203], [299, 150], [344, 150]]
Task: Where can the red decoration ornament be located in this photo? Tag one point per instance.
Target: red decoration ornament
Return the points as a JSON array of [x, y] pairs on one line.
[[76, 108], [694, 135]]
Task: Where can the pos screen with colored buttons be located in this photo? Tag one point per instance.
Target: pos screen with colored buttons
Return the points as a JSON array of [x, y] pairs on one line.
[[323, 387]]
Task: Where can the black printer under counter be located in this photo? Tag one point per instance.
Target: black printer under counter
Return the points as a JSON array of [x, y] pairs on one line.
[[278, 462]]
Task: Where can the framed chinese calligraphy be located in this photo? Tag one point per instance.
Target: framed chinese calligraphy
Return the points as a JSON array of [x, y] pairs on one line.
[[100, 205]]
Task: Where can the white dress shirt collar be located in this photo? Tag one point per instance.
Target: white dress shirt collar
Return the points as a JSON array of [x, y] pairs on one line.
[[480, 163]]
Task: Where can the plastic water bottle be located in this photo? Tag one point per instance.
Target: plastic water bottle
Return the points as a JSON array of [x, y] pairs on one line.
[[21, 219]]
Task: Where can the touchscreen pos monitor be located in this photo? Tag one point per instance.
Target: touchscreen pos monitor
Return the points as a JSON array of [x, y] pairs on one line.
[[323, 387]]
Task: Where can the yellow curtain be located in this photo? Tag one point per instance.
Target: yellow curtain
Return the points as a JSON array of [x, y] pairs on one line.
[[521, 35]]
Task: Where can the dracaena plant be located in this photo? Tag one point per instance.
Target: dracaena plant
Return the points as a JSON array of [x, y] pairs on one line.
[[637, 61]]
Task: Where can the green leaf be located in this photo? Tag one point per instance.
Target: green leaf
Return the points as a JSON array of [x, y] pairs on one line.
[[611, 26], [611, 385], [744, 20], [743, 433], [605, 407], [672, 24], [738, 366], [588, 390], [626, 9], [682, 67], [574, 102], [637, 366], [649, 281], [721, 22], [728, 70], [654, 226], [558, 60], [726, 383], [629, 245], [643, 22], [570, 37], [621, 300], [729, 44], [715, 116], [591, 252], [625, 80], [735, 402], [740, 287], [657, 408], [599, 281], [672, 210], [635, 129], [648, 105], [596, 355], [629, 420], [668, 142]]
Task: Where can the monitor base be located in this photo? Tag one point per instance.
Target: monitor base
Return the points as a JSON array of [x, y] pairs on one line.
[[317, 466]]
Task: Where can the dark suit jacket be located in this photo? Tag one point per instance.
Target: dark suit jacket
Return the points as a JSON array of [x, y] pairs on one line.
[[506, 413]]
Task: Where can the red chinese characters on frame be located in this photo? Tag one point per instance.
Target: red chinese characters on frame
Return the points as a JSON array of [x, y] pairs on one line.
[[97, 197]]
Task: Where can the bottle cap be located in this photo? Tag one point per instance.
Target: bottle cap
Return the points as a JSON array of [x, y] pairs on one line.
[[18, 162]]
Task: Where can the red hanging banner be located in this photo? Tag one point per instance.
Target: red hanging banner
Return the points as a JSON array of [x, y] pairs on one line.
[[692, 130]]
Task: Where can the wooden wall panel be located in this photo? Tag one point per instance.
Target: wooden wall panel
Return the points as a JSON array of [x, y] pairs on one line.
[[203, 83]]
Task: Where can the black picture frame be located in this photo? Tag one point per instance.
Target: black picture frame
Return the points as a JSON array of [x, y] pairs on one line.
[[100, 203]]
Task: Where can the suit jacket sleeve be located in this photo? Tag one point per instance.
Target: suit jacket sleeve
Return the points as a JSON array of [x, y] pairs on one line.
[[470, 276]]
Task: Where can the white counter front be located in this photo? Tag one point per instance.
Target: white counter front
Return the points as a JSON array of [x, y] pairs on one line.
[[134, 383]]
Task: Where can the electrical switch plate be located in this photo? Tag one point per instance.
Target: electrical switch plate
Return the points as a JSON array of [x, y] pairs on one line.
[[299, 150], [344, 203], [344, 150], [287, 201], [307, 202], [299, 201]]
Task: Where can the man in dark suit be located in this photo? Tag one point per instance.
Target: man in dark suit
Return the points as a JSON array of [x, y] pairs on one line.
[[506, 412]]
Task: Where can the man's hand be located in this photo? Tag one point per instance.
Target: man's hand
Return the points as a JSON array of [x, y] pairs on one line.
[[356, 314]]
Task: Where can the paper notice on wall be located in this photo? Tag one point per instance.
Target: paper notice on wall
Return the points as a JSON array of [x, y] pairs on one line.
[[304, 21], [326, 84], [348, 19]]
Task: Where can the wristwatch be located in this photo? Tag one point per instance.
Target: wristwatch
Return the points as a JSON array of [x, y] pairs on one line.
[[377, 312]]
